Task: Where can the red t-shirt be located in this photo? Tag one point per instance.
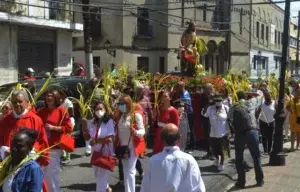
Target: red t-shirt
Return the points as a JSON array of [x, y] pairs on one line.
[[9, 126], [169, 116], [57, 117]]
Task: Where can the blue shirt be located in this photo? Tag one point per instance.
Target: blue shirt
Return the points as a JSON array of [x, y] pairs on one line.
[[29, 178], [186, 98]]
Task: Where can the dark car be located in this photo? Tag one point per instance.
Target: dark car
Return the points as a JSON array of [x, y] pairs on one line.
[[67, 83]]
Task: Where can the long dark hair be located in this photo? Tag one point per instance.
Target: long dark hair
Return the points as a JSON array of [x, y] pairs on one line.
[[107, 115]]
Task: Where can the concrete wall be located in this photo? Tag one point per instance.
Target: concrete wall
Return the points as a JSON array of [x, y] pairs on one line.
[[8, 54], [240, 36], [64, 52]]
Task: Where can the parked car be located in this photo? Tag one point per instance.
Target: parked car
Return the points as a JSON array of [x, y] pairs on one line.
[[68, 83]]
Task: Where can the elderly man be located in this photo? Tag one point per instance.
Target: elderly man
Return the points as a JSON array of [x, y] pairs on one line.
[[172, 169], [23, 117]]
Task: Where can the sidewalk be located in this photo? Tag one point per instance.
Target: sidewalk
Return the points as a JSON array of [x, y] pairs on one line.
[[277, 179]]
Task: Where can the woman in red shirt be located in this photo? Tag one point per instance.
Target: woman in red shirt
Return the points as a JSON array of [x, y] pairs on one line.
[[167, 114], [57, 122]]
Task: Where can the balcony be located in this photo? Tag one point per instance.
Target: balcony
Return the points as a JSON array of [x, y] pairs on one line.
[[38, 9], [144, 31]]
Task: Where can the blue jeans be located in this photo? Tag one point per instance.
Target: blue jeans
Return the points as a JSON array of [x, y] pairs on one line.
[[251, 138]]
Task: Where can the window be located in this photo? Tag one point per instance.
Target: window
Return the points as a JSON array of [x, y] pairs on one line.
[[241, 22], [204, 12], [143, 64], [279, 37], [162, 65], [96, 62], [264, 14], [96, 23], [254, 62], [262, 31], [267, 33], [276, 62], [257, 30], [143, 27], [263, 60], [275, 37]]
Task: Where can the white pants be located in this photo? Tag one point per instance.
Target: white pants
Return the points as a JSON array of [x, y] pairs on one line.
[[129, 172], [101, 179], [52, 171]]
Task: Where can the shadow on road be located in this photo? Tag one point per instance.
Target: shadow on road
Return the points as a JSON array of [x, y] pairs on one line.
[[81, 187], [237, 189]]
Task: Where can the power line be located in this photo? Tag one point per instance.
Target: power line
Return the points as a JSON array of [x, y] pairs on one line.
[[233, 4]]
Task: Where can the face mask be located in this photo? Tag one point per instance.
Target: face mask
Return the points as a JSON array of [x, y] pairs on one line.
[[218, 104], [99, 113], [122, 108], [181, 109]]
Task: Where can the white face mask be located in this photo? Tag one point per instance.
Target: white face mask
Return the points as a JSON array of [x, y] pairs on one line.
[[100, 113], [181, 109], [218, 104]]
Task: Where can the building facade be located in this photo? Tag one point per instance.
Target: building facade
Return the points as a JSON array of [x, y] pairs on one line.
[[260, 32], [35, 35], [146, 36], [293, 48]]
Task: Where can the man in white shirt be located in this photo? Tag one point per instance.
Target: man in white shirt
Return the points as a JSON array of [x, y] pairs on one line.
[[172, 169]]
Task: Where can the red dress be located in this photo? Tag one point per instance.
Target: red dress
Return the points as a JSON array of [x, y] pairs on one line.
[[198, 127], [9, 126], [57, 117], [169, 116]]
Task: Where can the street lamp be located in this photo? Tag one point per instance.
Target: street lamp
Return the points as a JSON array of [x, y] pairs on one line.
[[277, 156], [259, 53], [107, 45]]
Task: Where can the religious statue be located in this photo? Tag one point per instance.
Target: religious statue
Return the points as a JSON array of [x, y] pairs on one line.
[[191, 47]]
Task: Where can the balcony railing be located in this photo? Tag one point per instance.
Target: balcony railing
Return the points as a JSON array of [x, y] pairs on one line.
[[144, 31], [40, 9]]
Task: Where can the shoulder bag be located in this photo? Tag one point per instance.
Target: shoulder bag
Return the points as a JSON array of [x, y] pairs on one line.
[[99, 159], [123, 152]]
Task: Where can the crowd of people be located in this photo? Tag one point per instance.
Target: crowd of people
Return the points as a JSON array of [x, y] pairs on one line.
[[183, 122]]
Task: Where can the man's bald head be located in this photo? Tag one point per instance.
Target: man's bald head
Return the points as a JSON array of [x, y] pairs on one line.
[[170, 135]]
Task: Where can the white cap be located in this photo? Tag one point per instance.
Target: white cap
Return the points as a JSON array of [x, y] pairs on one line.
[[30, 70]]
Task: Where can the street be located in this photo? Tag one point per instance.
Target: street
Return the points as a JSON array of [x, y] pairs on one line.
[[78, 175]]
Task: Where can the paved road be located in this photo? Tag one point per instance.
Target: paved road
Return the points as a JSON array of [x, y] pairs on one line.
[[78, 175]]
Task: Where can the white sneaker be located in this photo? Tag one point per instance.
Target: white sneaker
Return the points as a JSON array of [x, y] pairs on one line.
[[216, 162], [221, 167]]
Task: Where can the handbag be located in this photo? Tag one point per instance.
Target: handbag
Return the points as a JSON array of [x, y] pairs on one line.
[[67, 143], [99, 159], [123, 152]]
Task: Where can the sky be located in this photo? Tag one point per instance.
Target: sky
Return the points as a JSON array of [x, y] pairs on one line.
[[295, 7]]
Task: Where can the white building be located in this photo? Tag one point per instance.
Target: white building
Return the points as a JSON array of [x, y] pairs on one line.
[[32, 35]]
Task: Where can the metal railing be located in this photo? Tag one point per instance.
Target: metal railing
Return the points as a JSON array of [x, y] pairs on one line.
[[39, 9]]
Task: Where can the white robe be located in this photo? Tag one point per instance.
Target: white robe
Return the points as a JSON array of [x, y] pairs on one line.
[[172, 170]]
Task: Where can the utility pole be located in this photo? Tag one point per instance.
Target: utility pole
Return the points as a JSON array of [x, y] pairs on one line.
[[87, 29], [228, 35], [277, 156], [297, 53]]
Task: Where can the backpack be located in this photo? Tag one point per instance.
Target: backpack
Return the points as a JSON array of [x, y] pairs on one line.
[[242, 120]]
